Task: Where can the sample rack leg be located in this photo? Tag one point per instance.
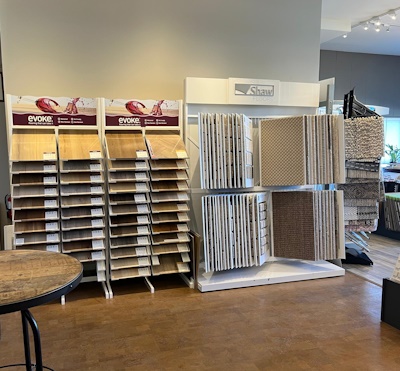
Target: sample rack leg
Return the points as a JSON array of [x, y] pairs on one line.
[[109, 289], [188, 281], [149, 285]]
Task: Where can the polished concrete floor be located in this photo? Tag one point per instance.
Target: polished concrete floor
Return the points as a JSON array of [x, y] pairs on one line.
[[326, 324]]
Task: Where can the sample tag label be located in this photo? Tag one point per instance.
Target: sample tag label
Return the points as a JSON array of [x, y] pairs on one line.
[[142, 209], [95, 178], [140, 198], [97, 255], [49, 167], [51, 226], [19, 241], [95, 154], [143, 261], [141, 251], [155, 260], [49, 179], [140, 176], [182, 196], [97, 233], [97, 244], [182, 216], [142, 219], [96, 212], [141, 165], [142, 240], [94, 167], [141, 187], [141, 154], [96, 200], [49, 156], [182, 227], [96, 189], [181, 247], [52, 237], [50, 203], [142, 230], [50, 191], [143, 271], [185, 257], [51, 214], [181, 206], [97, 222], [181, 154], [52, 248]]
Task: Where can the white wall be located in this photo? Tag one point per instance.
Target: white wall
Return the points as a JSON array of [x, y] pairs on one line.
[[145, 49]]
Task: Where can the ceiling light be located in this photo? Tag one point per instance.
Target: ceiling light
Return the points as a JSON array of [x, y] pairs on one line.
[[345, 35], [366, 26], [392, 14], [377, 28], [376, 21]]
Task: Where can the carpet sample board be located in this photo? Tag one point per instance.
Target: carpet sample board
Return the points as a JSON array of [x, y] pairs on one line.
[[236, 230], [302, 150], [308, 225], [364, 138], [226, 151]]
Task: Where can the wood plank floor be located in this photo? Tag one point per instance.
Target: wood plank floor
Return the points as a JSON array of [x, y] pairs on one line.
[[326, 324], [384, 252]]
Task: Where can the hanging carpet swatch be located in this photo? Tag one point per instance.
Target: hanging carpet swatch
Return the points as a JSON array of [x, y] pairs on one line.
[[308, 225], [302, 150]]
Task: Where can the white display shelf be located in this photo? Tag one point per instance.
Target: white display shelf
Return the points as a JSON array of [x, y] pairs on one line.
[[276, 270]]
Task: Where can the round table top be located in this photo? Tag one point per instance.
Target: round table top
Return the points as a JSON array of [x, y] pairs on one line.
[[29, 278]]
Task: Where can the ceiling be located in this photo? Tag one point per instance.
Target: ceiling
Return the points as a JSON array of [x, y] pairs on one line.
[[340, 17]]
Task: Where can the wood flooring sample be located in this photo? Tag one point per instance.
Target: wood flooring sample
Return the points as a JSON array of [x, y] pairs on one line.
[[126, 146], [33, 146], [79, 146], [166, 146]]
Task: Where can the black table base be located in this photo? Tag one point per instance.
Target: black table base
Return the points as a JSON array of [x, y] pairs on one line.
[[27, 318]]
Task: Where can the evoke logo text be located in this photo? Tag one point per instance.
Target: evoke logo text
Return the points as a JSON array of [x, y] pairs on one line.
[[255, 90], [41, 119], [129, 120]]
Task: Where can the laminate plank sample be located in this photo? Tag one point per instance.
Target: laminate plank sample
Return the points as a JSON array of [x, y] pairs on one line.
[[166, 146], [169, 175], [84, 234], [34, 203], [168, 238], [169, 218], [81, 212], [75, 201], [84, 245], [34, 167], [130, 273], [125, 220], [169, 185], [170, 264], [129, 263], [128, 198], [129, 209], [34, 215], [33, 145], [88, 256], [36, 226], [121, 165], [128, 176], [129, 242], [168, 164], [81, 166], [79, 178], [126, 146], [82, 223], [127, 252], [82, 189], [169, 196], [167, 207], [37, 238], [34, 191], [129, 231], [33, 179], [128, 187], [171, 248], [79, 145], [169, 228]]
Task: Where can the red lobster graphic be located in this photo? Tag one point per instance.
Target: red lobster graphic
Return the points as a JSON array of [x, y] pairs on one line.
[[44, 104], [157, 108], [134, 107]]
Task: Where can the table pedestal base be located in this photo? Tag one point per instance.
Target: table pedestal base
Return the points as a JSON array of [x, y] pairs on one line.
[[27, 318]]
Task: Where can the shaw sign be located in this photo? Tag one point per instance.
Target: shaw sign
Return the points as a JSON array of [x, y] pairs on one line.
[[251, 91]]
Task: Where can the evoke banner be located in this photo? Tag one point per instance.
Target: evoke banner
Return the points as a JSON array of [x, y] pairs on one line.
[[134, 112], [53, 111]]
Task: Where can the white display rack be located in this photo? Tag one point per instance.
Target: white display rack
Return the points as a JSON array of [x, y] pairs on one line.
[[208, 95]]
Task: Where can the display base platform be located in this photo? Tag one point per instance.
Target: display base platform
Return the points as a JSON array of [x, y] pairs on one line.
[[276, 270]]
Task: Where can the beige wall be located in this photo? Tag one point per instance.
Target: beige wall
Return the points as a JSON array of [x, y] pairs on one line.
[[145, 49]]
